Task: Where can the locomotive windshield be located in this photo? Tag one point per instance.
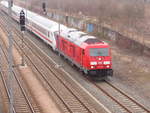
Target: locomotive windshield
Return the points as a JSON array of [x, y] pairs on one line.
[[99, 52]]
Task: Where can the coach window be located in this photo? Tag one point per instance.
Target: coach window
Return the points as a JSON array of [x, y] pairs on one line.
[[51, 34], [48, 34]]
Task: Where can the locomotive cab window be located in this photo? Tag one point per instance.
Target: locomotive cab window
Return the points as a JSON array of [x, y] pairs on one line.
[[99, 52]]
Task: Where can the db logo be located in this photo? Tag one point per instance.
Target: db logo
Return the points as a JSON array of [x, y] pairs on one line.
[[99, 62]]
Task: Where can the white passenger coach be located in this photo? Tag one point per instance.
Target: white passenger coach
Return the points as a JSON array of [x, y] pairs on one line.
[[41, 26]]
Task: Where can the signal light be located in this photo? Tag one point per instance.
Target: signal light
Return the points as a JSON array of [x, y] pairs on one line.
[[44, 7], [22, 20]]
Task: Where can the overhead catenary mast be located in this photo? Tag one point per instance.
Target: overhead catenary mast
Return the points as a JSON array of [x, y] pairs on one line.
[[10, 57]]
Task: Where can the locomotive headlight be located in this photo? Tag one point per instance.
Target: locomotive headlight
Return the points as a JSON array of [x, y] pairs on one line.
[[106, 62], [93, 63], [92, 67], [107, 66]]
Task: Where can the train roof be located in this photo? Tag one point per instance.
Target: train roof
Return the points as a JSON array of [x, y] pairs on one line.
[[71, 34], [42, 21], [79, 37]]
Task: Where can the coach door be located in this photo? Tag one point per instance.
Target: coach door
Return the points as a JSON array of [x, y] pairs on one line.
[[73, 51], [57, 38], [79, 55]]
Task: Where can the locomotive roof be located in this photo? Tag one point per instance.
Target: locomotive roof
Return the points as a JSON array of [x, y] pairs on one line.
[[79, 37], [41, 21]]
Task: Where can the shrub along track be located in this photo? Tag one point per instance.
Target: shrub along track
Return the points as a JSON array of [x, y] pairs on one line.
[[69, 98]]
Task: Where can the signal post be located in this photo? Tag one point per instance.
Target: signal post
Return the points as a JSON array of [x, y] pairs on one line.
[[22, 27]]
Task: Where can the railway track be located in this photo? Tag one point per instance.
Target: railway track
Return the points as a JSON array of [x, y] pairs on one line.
[[21, 102], [3, 86], [121, 100], [69, 99]]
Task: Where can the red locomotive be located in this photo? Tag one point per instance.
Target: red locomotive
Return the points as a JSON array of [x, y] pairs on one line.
[[88, 53]]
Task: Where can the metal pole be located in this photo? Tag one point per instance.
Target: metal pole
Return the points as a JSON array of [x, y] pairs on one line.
[[1, 101], [143, 33], [59, 18], [10, 58], [0, 74], [23, 58], [58, 29], [0, 60], [1, 106], [26, 13]]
